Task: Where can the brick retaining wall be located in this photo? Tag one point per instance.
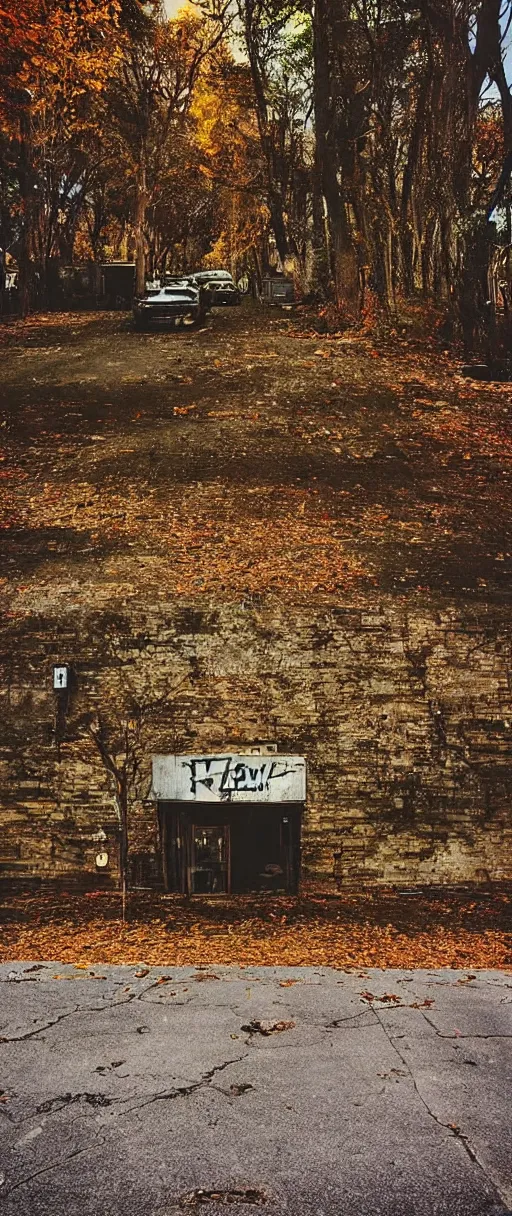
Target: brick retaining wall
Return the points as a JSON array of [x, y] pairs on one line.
[[403, 715]]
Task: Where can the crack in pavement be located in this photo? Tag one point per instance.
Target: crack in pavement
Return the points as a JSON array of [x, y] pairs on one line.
[[55, 1164], [31, 1034], [459, 1036], [452, 1129], [183, 1091], [56, 1104], [164, 1095], [353, 1017], [134, 1103]]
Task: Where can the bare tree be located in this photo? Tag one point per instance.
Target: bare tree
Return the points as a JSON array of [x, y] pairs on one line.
[[122, 735]]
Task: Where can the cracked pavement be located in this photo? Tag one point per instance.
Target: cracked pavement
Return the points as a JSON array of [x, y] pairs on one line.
[[304, 1091]]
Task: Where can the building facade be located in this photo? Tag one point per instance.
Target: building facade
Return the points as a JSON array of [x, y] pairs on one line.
[[258, 746]]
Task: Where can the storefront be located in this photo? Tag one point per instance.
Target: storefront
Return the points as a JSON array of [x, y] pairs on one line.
[[229, 823]]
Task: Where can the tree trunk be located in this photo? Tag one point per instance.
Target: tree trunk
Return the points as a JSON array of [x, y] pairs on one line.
[[27, 182], [320, 273], [274, 196], [140, 220], [123, 842], [342, 252], [408, 214], [257, 269]]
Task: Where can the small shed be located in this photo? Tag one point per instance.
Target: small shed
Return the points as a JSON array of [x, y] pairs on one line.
[[118, 282]]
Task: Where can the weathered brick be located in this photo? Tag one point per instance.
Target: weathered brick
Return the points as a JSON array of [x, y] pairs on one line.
[[403, 717]]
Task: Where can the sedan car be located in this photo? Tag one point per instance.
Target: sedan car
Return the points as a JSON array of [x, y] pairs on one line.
[[219, 286], [180, 301]]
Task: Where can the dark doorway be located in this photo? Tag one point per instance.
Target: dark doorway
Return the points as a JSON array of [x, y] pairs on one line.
[[231, 848], [209, 870]]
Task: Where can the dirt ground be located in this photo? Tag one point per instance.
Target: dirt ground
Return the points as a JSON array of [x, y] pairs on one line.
[[435, 928], [219, 460]]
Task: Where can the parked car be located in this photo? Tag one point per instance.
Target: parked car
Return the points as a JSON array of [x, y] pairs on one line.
[[181, 300], [220, 287]]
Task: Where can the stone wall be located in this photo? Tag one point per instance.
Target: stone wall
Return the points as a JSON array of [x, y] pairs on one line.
[[402, 714]]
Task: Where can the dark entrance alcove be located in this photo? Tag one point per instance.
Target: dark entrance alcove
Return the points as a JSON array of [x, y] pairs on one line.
[[230, 848]]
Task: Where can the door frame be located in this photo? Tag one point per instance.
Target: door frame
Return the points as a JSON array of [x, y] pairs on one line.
[[225, 829], [177, 820]]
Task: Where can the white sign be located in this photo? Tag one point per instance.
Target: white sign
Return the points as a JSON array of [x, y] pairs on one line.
[[60, 677], [229, 778]]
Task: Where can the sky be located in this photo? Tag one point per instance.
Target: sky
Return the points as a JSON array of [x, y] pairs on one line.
[[172, 6]]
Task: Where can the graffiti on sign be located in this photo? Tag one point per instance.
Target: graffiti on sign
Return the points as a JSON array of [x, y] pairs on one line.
[[226, 778]]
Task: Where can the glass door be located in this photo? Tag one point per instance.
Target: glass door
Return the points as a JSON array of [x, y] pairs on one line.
[[209, 871]]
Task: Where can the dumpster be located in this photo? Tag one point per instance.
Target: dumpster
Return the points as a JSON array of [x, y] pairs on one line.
[[277, 289]]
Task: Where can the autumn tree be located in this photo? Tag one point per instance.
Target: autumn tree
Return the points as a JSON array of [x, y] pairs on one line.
[[150, 100], [367, 143], [118, 742], [231, 163], [275, 36], [55, 59]]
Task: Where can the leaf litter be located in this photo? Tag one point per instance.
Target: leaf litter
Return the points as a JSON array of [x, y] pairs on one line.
[[457, 930], [337, 474]]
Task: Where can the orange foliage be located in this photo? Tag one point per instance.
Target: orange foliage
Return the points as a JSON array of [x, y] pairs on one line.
[[52, 54]]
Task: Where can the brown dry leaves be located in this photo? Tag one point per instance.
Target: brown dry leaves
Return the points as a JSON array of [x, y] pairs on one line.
[[20, 330], [335, 934], [203, 539]]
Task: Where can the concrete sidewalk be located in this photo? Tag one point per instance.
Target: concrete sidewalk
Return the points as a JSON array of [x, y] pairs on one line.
[[300, 1092]]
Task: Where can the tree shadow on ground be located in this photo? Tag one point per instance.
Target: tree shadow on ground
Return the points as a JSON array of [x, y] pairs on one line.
[[25, 550], [476, 909]]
